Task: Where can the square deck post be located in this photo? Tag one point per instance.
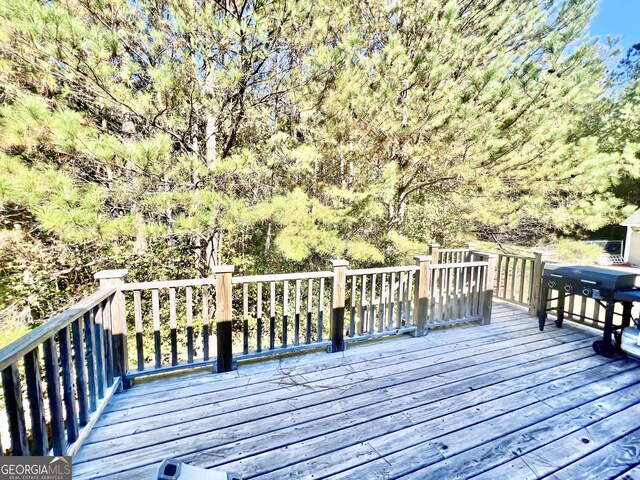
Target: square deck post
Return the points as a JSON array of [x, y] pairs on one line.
[[115, 278], [224, 318], [434, 252], [422, 290], [338, 294], [536, 285]]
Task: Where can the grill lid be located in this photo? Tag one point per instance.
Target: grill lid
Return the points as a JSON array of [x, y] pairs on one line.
[[609, 278]]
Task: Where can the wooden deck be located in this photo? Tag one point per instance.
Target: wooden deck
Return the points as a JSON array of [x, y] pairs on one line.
[[496, 401]]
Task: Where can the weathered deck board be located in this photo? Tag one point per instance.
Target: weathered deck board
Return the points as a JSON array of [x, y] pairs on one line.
[[501, 400]]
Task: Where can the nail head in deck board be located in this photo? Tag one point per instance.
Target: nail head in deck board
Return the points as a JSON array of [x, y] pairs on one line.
[[52, 372], [81, 377], [89, 341], [15, 409], [36, 403], [67, 385]]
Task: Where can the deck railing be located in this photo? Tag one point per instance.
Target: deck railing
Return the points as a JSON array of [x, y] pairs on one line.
[[70, 370], [264, 315]]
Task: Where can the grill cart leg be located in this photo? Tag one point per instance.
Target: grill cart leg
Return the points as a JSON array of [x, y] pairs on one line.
[[560, 310], [604, 347], [542, 306]]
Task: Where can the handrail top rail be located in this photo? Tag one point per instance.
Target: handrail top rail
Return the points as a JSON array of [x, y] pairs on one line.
[[449, 250], [159, 284], [13, 352], [279, 277], [439, 266], [373, 271]]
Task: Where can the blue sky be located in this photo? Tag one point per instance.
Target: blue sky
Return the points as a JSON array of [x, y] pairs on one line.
[[618, 17]]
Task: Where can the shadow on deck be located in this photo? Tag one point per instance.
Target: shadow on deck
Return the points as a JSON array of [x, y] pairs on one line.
[[499, 401]]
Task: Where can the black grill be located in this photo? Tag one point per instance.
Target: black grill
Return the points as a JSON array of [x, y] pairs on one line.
[[604, 285]]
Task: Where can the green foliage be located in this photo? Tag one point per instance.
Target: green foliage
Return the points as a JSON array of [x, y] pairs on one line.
[[277, 135]]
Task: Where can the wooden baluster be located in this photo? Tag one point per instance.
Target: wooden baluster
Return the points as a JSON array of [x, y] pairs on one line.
[[108, 340], [596, 312], [583, 308], [189, 307], [224, 318], [506, 276], [338, 304], [321, 310], [245, 318], [363, 303], [81, 378], [464, 308], [400, 300], [90, 342], [441, 295], [391, 300], [570, 314], [173, 325], [259, 318], [155, 308], [523, 268], [137, 310], [98, 315], [296, 326], [15, 410], [382, 303], [410, 282], [372, 305], [52, 371], [309, 307], [514, 276], [352, 323], [499, 276], [457, 297], [272, 317], [285, 312], [36, 403], [69, 396]]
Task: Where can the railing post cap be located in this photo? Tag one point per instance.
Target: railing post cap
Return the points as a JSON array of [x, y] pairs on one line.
[[224, 269], [422, 258], [111, 274], [434, 245], [339, 263]]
